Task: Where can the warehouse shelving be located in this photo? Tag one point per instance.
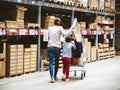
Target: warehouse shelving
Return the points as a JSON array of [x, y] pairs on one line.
[[63, 11], [54, 5]]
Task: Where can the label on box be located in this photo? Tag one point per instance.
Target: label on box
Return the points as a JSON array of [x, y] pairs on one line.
[[94, 32], [41, 31], [1, 32], [102, 32], [84, 32], [99, 32], [23, 32], [88, 32], [32, 32], [11, 31]]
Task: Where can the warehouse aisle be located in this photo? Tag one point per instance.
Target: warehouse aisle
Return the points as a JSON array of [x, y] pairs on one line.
[[100, 75]]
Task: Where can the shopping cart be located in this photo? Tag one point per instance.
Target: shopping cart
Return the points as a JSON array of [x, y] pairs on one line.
[[80, 65]]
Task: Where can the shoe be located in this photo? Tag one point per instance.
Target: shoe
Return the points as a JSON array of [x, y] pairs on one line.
[[67, 79], [63, 77], [52, 80], [56, 78]]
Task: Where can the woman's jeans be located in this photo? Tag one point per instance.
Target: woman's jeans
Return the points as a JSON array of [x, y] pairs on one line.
[[53, 54]]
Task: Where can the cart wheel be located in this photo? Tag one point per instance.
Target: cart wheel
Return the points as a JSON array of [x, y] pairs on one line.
[[82, 76]]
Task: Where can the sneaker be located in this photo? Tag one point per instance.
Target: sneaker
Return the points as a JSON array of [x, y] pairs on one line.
[[52, 80], [63, 77], [56, 78], [67, 79]]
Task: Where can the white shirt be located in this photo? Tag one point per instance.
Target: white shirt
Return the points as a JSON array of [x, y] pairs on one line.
[[54, 34]]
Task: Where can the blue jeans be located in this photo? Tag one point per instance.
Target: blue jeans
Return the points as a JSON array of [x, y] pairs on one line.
[[53, 54]]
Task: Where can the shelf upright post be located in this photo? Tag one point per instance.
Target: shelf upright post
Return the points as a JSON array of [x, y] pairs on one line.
[[114, 35], [96, 40], [73, 15], [39, 41]]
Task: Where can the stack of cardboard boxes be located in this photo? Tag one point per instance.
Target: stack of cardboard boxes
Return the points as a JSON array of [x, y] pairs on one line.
[[21, 60], [30, 58], [33, 57], [87, 44], [14, 60], [49, 21], [109, 5], [2, 24], [93, 4], [15, 19], [20, 16], [27, 60]]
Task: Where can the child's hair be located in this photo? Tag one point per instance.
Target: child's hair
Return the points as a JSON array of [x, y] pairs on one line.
[[68, 39], [57, 21]]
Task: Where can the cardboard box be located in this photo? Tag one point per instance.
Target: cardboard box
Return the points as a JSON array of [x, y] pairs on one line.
[[2, 24], [93, 4], [2, 68], [84, 2], [89, 49], [33, 46], [33, 25], [3, 55], [75, 61], [107, 3], [82, 25], [11, 24], [101, 5], [112, 4], [93, 53]]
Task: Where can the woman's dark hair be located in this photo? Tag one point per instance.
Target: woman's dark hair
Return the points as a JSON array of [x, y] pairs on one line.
[[68, 39], [57, 21]]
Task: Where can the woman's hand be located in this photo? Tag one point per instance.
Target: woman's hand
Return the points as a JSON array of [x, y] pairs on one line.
[[72, 27]]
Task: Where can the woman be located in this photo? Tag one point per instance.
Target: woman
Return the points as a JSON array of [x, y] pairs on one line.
[[54, 46]]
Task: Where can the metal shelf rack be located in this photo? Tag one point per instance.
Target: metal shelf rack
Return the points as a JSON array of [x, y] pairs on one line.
[[54, 5], [62, 7]]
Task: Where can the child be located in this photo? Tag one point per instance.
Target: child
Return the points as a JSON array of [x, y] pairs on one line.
[[66, 57]]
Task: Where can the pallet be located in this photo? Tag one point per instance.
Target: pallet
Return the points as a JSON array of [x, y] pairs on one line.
[[107, 10], [58, 2], [94, 8], [101, 10], [69, 3], [113, 10], [29, 72], [2, 77], [78, 4], [50, 1], [12, 75], [16, 75]]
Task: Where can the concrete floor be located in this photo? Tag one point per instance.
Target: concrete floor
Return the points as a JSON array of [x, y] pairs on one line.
[[100, 75]]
